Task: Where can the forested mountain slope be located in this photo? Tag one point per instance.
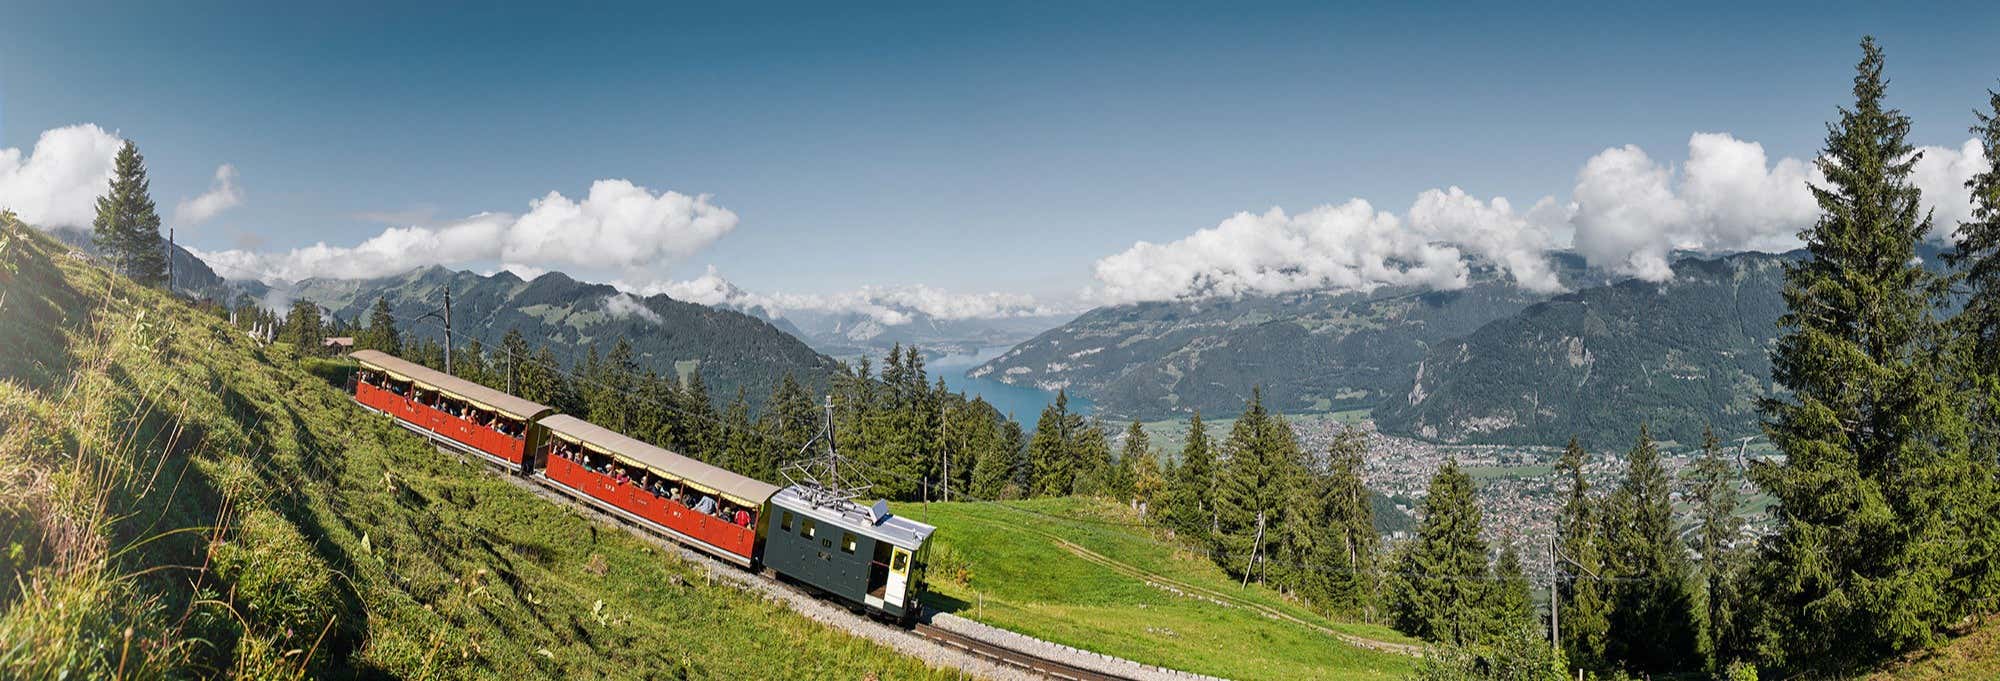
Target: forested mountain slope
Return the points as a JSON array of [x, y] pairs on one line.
[[1677, 355], [733, 350], [177, 500], [1310, 351]]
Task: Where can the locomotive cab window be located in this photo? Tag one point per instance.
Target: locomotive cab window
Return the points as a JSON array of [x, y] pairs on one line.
[[806, 528], [847, 542], [786, 522], [901, 562]]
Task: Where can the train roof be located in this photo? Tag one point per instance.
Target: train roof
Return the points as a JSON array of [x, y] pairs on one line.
[[480, 396], [740, 489], [877, 523]]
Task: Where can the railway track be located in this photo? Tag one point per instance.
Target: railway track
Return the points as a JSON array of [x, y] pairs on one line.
[[977, 648], [1011, 657]]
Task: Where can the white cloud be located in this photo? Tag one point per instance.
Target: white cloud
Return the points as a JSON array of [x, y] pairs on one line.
[[1626, 213], [1517, 243], [1632, 212], [888, 305], [617, 225], [1346, 247], [1942, 174], [58, 184], [624, 305], [222, 195]]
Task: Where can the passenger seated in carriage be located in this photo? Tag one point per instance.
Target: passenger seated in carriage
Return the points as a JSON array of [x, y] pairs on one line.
[[706, 505]]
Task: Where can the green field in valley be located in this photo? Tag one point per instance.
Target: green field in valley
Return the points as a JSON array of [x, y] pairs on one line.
[[1085, 573]]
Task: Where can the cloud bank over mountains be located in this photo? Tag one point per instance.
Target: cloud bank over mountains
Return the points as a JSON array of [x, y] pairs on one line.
[[1626, 213], [888, 305], [222, 195]]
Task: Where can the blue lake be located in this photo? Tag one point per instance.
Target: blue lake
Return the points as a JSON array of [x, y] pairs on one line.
[[1023, 403]]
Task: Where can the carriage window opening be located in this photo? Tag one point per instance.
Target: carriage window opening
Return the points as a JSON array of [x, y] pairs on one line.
[[847, 542], [786, 522], [806, 528]]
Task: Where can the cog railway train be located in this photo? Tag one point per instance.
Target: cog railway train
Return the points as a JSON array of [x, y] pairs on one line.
[[865, 556]]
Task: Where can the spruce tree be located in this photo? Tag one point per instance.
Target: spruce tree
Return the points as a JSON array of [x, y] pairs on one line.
[[1509, 608], [1348, 524], [1190, 494], [1879, 485], [995, 475], [1090, 444], [1583, 611], [1440, 581], [1977, 249], [1977, 257], [1713, 493], [1051, 461], [1652, 627], [1254, 486], [381, 334], [127, 228], [1137, 446], [302, 327]]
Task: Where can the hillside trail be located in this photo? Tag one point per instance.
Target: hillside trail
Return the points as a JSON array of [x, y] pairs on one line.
[[1225, 599]]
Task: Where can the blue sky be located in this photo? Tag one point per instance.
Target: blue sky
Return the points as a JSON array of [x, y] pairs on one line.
[[997, 147]]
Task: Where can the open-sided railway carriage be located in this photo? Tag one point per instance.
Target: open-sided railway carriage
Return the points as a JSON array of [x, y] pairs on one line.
[[864, 555], [458, 413]]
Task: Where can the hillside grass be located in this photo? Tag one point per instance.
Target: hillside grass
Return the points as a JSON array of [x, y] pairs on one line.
[[177, 500], [1020, 576], [1974, 655]]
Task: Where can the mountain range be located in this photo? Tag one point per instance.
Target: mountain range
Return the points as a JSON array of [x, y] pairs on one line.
[[731, 349], [1309, 351]]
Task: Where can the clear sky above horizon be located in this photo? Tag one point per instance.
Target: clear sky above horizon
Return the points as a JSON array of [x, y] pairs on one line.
[[999, 147]]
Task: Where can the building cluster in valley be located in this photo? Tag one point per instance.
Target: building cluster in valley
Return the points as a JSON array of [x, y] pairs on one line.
[[1520, 490]]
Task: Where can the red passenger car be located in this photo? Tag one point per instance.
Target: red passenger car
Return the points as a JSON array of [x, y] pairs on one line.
[[703, 506], [467, 416]]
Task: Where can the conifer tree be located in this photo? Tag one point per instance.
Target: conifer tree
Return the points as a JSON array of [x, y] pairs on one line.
[[1509, 609], [1584, 609], [1977, 249], [1977, 257], [1713, 494], [1052, 469], [791, 419], [741, 438], [1652, 615], [302, 327], [1348, 524], [994, 475], [1148, 481], [704, 427], [1190, 494], [127, 227], [1091, 446], [381, 334], [1137, 447], [1879, 484], [513, 355], [1440, 588], [1254, 486], [470, 363]]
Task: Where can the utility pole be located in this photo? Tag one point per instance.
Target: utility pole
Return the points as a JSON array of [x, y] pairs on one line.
[[1256, 546], [944, 418], [1555, 598], [170, 259], [447, 331]]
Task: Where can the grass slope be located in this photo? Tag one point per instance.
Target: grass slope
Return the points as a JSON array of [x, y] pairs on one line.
[[177, 501], [1084, 573]]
